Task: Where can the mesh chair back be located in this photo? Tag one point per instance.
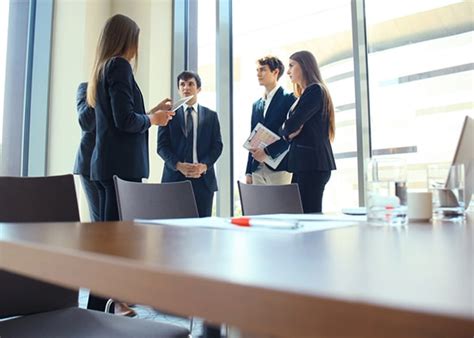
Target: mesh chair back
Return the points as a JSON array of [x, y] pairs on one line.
[[155, 200], [35, 199], [270, 199]]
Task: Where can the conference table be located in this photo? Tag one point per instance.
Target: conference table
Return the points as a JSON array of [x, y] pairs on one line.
[[355, 281]]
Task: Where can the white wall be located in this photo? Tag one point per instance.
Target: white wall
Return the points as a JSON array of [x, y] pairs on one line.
[[76, 28]]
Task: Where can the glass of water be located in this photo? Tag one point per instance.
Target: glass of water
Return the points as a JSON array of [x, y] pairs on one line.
[[446, 182], [387, 192]]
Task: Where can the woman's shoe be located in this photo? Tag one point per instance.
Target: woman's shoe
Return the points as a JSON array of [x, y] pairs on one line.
[[122, 309]]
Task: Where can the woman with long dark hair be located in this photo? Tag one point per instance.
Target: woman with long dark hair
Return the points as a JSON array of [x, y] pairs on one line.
[[122, 123], [310, 129]]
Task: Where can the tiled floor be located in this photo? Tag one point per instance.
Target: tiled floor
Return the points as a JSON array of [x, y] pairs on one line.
[[146, 312]]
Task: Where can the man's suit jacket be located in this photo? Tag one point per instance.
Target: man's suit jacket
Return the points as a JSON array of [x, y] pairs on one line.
[[273, 120], [122, 125], [172, 145], [310, 149], [86, 116]]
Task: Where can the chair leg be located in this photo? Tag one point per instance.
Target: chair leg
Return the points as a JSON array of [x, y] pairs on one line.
[[109, 304]]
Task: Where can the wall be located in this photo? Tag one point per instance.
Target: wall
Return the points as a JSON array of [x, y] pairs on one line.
[[76, 28]]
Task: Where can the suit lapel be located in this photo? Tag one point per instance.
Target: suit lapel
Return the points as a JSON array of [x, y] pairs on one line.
[[181, 120], [201, 118]]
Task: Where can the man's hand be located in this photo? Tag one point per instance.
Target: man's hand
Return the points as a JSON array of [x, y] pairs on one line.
[[201, 168], [191, 170], [184, 168], [248, 179], [258, 154], [161, 117]]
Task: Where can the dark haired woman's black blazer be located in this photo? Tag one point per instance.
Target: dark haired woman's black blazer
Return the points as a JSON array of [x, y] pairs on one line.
[[311, 149], [122, 125]]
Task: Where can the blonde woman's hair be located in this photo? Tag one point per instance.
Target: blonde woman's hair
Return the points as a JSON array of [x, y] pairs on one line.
[[119, 37], [312, 74]]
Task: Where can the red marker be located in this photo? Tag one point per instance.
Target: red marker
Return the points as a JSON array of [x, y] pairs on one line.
[[265, 223]]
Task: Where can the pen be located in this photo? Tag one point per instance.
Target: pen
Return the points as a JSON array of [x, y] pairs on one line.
[[265, 223]]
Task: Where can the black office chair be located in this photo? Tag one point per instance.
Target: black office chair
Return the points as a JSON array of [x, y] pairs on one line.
[[47, 310], [155, 200], [257, 199]]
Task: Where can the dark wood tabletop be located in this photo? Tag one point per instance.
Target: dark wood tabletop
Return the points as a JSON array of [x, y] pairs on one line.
[[355, 281]]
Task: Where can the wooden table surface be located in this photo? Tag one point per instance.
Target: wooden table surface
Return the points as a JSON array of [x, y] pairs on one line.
[[355, 281]]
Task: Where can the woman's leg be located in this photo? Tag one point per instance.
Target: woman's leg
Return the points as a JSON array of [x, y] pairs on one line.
[[95, 302], [311, 185], [101, 194], [109, 200], [92, 195]]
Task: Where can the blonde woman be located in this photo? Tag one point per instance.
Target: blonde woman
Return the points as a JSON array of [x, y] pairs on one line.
[[310, 129]]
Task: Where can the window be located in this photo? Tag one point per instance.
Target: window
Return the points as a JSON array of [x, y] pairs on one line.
[[281, 28], [4, 11], [420, 80], [206, 51]]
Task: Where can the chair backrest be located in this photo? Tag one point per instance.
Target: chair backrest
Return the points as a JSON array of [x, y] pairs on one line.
[[257, 199], [155, 200], [35, 199], [38, 199]]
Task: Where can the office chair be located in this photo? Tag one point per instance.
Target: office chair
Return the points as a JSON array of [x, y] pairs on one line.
[[259, 199], [47, 310], [155, 200]]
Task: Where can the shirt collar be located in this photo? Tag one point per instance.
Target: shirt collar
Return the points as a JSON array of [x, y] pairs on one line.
[[195, 107], [271, 94]]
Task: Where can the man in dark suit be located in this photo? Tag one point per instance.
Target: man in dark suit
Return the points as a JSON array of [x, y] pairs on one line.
[[271, 111], [191, 143]]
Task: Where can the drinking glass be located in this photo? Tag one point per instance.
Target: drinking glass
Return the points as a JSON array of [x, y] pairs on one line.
[[446, 182], [387, 192]]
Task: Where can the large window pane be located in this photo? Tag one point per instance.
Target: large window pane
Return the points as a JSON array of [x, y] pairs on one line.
[[206, 50], [421, 80], [261, 28], [4, 12]]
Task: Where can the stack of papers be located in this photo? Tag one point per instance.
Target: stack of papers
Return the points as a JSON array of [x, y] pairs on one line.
[[261, 137], [307, 223]]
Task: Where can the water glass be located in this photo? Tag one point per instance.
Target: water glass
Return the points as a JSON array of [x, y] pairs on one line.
[[387, 192], [446, 182]]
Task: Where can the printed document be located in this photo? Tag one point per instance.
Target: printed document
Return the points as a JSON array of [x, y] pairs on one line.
[[225, 224], [260, 137]]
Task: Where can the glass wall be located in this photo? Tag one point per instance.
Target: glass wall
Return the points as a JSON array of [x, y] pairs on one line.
[[420, 80], [420, 66], [4, 13], [281, 28], [206, 52]]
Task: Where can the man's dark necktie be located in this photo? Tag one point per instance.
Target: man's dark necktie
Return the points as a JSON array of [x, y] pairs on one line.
[[189, 136]]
